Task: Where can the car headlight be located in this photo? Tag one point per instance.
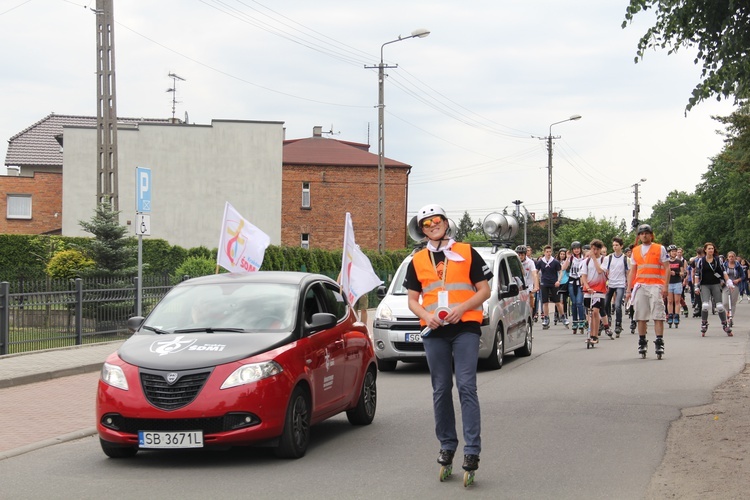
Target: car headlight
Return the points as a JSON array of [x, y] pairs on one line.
[[114, 376], [247, 374], [385, 313]]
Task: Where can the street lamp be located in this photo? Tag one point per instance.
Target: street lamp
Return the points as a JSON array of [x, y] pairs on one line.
[[418, 33], [670, 219], [550, 231]]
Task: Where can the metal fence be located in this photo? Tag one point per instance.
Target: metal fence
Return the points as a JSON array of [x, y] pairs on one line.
[[45, 314]]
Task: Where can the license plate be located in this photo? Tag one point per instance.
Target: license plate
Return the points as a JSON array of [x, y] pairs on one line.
[[413, 337], [177, 439]]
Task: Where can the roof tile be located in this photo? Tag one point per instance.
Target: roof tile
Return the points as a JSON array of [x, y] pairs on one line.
[[324, 151], [37, 144]]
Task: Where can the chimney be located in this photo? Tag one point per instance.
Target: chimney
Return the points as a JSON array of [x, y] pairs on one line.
[[318, 131]]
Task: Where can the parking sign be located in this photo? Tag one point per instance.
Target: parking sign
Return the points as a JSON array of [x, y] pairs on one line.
[[143, 190]]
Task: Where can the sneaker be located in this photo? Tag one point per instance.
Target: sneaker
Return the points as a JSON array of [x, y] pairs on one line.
[[704, 328], [471, 462], [609, 333], [727, 330], [566, 322]]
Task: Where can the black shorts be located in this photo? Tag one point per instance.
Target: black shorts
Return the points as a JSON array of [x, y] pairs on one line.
[[549, 294], [598, 305]]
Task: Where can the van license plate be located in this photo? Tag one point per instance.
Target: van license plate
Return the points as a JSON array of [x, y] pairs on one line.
[[413, 337], [177, 439]]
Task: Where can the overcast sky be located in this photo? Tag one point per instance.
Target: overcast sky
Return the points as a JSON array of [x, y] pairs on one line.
[[466, 106]]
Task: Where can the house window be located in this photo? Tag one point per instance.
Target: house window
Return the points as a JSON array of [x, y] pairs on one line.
[[19, 206], [305, 195], [305, 241]]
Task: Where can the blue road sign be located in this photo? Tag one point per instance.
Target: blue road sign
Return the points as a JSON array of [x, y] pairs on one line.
[[142, 189]]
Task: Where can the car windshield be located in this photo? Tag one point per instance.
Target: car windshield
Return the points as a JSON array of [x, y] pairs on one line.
[[227, 307]]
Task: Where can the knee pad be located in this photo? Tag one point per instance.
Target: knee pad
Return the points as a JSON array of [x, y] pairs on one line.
[[705, 306], [720, 307]]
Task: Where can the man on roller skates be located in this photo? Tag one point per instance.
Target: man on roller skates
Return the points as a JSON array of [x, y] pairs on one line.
[[550, 273], [647, 287], [450, 277]]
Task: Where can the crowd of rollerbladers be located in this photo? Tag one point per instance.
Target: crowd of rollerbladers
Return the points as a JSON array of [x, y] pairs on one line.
[[587, 286], [590, 287]]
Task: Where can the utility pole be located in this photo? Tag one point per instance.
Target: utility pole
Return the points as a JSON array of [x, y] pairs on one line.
[[636, 205], [106, 106]]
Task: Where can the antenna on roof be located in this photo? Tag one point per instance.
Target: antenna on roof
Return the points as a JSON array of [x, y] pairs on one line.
[[331, 132], [174, 78]]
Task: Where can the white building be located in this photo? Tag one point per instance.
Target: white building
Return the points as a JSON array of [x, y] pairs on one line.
[[195, 169]]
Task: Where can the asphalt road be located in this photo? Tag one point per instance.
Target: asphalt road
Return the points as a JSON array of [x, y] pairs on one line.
[[566, 422]]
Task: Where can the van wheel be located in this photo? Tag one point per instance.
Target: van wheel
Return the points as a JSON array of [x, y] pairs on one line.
[[386, 365], [526, 349], [497, 355]]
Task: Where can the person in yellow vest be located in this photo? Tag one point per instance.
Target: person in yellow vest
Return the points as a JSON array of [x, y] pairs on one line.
[[452, 280], [648, 284]]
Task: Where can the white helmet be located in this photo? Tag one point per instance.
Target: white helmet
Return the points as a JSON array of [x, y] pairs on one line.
[[428, 211]]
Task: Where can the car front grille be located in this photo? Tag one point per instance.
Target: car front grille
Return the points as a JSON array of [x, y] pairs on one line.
[[172, 396], [229, 422], [409, 346]]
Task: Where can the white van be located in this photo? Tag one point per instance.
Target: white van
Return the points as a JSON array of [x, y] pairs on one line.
[[506, 327]]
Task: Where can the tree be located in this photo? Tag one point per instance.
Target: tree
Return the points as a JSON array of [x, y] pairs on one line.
[[589, 228], [465, 226], [717, 28], [110, 249]]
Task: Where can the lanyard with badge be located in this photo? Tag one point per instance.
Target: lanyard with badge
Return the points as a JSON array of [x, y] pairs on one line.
[[442, 304]]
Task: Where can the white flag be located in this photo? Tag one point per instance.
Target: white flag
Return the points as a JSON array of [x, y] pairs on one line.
[[241, 245], [357, 276]]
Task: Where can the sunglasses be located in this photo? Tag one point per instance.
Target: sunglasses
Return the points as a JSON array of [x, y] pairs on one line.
[[432, 222]]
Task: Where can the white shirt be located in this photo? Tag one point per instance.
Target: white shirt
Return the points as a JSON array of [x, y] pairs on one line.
[[618, 277], [594, 279], [529, 269]]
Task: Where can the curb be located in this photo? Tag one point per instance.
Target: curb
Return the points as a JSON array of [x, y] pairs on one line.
[[72, 436], [41, 377]]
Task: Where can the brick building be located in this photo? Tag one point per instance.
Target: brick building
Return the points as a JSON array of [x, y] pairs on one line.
[[31, 196], [324, 178]]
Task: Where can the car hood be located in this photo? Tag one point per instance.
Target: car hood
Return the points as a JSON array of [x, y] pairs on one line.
[[190, 351]]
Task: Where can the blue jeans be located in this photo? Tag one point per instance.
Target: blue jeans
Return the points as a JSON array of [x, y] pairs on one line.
[[461, 351], [619, 294], [576, 301]]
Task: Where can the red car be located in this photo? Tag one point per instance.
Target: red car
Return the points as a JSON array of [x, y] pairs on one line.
[[237, 359]]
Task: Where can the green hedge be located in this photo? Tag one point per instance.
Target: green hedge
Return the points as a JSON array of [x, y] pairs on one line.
[[26, 257]]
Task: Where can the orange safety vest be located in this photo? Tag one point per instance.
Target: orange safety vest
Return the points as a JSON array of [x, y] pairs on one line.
[[457, 281], [650, 268]]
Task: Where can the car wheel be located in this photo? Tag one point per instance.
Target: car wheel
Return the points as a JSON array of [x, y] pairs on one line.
[[386, 365], [113, 450], [364, 412], [296, 435], [526, 349], [497, 355]]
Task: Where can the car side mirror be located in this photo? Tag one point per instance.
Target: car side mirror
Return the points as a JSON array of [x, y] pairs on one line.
[[135, 323], [321, 321], [381, 291], [511, 290]]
